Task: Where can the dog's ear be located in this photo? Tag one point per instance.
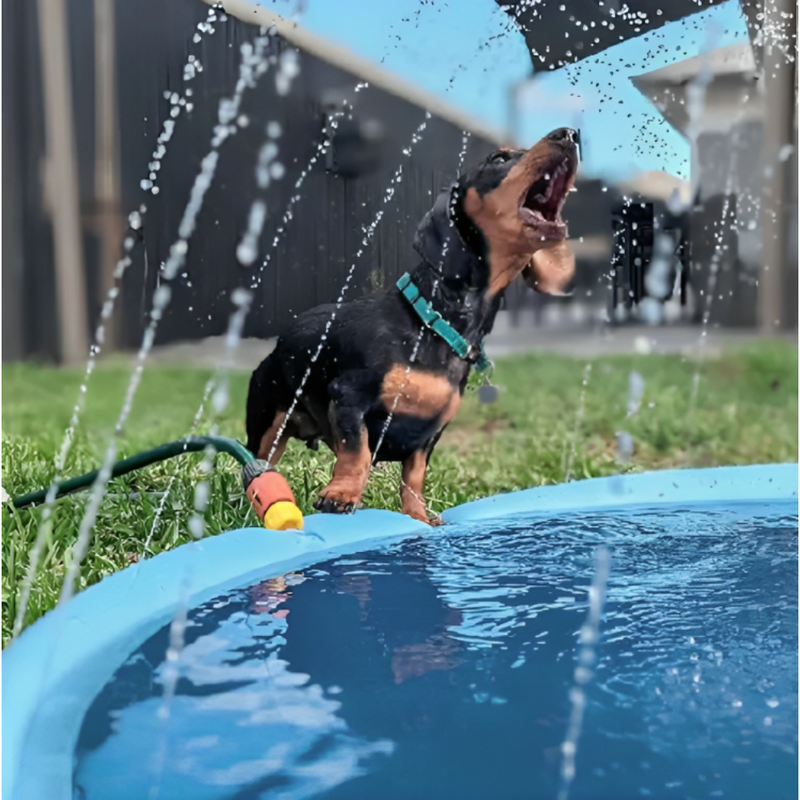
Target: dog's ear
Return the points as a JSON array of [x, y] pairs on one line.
[[552, 270], [439, 241]]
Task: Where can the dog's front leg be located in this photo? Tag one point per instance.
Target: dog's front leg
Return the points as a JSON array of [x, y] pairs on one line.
[[412, 501], [353, 460]]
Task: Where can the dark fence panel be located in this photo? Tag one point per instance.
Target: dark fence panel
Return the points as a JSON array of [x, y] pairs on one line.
[[320, 243], [312, 259]]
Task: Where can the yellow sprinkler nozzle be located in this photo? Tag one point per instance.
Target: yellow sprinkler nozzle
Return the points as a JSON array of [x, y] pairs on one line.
[[271, 497], [283, 516]]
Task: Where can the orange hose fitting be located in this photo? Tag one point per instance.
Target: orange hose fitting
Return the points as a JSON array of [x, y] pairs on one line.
[[271, 497]]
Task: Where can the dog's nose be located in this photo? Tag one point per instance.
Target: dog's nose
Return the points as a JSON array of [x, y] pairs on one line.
[[563, 136]]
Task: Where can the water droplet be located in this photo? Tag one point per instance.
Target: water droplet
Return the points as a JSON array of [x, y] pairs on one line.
[[624, 446], [241, 297], [161, 296], [641, 344], [290, 63], [246, 252], [636, 386], [651, 311]]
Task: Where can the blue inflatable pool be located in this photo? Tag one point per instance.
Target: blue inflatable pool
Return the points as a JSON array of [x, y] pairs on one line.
[[374, 656]]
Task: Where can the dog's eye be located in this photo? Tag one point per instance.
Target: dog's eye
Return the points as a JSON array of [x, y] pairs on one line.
[[499, 158]]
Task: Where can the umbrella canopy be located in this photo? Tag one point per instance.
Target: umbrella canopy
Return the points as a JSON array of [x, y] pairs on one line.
[[560, 32]]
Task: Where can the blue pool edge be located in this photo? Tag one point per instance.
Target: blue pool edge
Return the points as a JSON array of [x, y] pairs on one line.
[[49, 682]]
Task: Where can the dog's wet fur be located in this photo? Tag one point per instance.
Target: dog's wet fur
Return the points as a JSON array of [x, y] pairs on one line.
[[497, 221]]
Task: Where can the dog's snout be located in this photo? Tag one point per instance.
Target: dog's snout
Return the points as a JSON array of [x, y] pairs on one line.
[[568, 289], [564, 136]]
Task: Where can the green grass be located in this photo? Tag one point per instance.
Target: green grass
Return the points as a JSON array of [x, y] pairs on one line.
[[745, 412]]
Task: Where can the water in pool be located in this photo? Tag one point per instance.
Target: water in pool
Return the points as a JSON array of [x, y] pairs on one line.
[[442, 668]]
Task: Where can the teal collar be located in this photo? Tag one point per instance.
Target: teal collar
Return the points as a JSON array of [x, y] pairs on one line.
[[433, 320]]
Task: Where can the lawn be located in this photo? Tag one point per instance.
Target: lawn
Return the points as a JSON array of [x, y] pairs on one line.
[[545, 426]]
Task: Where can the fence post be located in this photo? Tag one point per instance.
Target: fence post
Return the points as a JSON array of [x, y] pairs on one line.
[[778, 28], [64, 200], [106, 171]]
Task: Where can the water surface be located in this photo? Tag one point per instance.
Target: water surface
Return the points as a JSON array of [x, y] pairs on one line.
[[441, 668]]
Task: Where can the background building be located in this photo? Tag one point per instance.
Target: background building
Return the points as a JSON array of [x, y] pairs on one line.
[[738, 108]]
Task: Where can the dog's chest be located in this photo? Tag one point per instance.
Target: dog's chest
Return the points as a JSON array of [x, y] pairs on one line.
[[420, 394]]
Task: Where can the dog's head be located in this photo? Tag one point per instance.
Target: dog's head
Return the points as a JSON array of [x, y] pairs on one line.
[[503, 218]]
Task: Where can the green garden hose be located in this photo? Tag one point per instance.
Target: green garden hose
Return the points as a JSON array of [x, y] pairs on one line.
[[192, 444], [266, 489]]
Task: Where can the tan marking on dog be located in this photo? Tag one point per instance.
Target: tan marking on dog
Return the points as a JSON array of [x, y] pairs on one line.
[[511, 243], [551, 269], [420, 394], [350, 472], [411, 499], [268, 439]]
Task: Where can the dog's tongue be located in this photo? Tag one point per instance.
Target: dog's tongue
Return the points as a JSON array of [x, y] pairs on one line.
[[552, 269]]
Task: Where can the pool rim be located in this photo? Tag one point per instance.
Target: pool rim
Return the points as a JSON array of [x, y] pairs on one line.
[[120, 612]]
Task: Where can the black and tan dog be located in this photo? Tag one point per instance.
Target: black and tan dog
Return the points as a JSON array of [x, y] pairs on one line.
[[498, 220]]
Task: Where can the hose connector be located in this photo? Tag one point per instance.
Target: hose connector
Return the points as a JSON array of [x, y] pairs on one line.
[[271, 497]]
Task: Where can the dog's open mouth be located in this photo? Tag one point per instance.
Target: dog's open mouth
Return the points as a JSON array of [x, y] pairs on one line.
[[541, 204]]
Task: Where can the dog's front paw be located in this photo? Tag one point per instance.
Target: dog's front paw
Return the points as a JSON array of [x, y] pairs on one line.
[[338, 498], [418, 512], [328, 506]]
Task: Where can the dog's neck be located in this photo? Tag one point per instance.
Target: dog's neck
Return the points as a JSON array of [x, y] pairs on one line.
[[455, 275], [470, 310]]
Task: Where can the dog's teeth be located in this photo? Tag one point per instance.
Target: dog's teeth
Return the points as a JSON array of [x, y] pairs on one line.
[[573, 189]]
